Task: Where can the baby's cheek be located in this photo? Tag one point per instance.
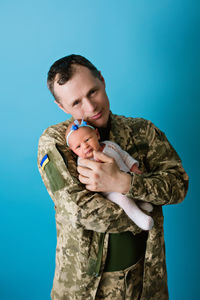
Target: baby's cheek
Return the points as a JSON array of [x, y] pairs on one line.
[[78, 153], [82, 154]]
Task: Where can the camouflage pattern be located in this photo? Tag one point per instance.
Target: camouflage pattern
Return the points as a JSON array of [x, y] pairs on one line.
[[84, 219], [122, 285]]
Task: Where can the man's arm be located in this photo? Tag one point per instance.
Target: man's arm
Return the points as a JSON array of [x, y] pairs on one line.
[[75, 204], [165, 181]]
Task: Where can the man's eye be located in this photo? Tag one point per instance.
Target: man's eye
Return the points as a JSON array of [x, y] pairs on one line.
[[76, 102], [77, 147], [87, 139], [92, 92]]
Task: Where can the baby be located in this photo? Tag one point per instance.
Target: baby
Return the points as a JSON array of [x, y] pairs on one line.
[[83, 139]]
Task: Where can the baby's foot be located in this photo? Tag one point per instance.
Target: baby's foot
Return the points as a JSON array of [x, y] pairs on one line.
[[147, 223], [145, 206]]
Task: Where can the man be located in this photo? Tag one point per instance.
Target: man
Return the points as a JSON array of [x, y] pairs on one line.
[[101, 253]]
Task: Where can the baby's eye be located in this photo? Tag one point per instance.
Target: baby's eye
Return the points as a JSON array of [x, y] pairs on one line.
[[87, 139], [78, 147]]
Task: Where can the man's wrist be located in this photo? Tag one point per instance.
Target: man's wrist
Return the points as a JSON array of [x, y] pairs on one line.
[[125, 183]]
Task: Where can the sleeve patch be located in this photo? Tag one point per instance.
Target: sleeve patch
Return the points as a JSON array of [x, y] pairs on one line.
[[54, 175], [44, 161]]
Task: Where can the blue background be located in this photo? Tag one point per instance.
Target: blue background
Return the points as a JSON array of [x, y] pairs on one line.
[[148, 52]]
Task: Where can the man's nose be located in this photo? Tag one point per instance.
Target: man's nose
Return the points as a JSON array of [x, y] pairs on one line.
[[89, 105]]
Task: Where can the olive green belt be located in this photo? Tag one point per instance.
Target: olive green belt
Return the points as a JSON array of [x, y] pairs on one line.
[[124, 250]]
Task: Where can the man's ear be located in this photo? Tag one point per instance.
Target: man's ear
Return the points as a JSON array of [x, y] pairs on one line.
[[102, 78], [97, 133], [60, 106]]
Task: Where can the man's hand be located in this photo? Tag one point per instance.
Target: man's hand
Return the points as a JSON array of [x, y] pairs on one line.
[[103, 175]]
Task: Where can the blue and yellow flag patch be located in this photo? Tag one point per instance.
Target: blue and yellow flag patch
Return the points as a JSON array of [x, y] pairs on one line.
[[44, 161]]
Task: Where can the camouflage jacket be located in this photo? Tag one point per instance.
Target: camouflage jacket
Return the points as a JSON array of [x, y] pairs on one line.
[[84, 219]]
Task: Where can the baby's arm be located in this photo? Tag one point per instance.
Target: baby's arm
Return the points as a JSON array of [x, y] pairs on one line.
[[125, 156]]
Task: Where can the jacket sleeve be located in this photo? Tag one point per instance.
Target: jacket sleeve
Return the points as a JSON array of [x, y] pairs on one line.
[[75, 205], [165, 181]]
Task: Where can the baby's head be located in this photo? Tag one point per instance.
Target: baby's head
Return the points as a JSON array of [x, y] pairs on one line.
[[82, 138]]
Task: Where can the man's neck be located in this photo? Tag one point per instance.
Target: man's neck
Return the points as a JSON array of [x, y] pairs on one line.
[[105, 132]]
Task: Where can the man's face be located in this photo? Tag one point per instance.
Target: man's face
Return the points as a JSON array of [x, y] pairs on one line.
[[84, 97]]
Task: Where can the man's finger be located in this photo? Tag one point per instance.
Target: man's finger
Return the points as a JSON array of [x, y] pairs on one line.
[[87, 163], [102, 157], [91, 188], [84, 171], [83, 179]]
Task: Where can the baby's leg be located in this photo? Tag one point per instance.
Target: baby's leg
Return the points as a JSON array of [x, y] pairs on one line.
[[132, 210]]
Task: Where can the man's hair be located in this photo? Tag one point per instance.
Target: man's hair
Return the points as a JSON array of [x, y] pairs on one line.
[[63, 69]]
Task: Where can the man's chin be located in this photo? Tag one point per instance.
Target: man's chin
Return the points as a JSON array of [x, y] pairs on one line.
[[101, 122]]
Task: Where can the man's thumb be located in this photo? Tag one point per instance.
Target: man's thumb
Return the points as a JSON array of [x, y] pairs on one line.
[[100, 156]]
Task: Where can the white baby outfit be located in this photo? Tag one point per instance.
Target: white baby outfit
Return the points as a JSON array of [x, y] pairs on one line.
[[125, 162]]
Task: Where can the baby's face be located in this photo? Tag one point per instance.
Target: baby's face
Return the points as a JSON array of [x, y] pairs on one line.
[[84, 141]]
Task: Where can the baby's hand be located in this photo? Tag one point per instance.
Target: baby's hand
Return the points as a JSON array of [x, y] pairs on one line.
[[135, 169]]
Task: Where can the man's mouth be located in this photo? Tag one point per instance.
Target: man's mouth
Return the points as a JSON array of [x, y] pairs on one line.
[[97, 116]]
